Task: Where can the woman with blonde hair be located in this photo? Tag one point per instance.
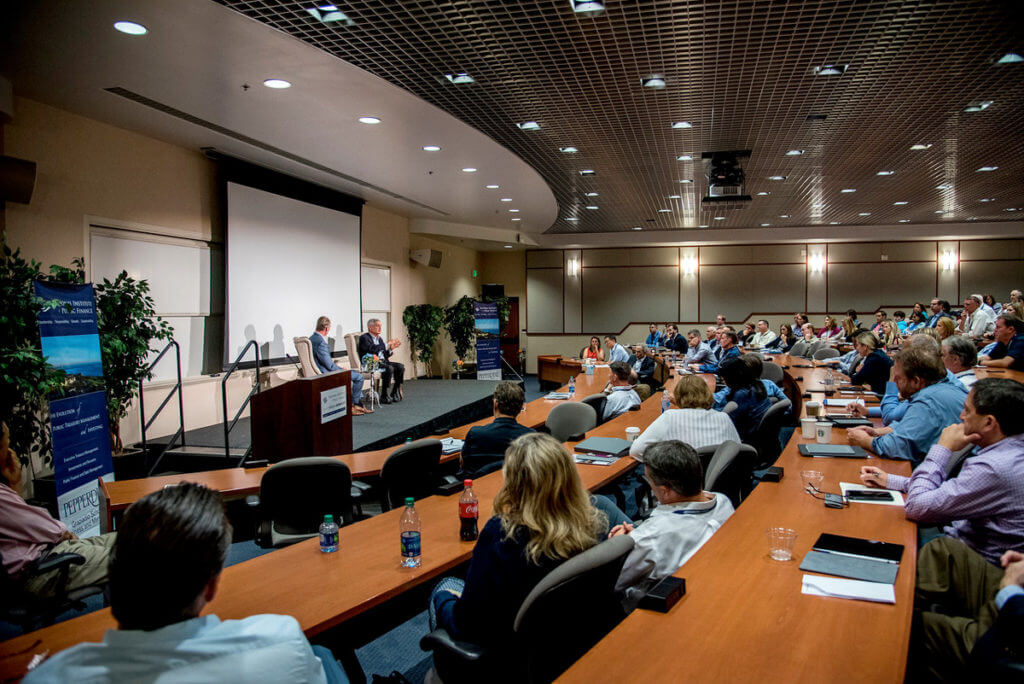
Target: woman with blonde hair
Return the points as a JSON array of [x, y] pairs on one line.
[[541, 517], [946, 328], [890, 335], [690, 419]]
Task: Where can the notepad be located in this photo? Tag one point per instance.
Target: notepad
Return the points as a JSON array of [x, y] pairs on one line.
[[592, 459], [857, 590], [450, 445], [557, 395], [606, 446], [854, 558]]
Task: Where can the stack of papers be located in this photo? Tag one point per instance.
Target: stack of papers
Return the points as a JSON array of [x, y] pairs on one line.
[[836, 587], [450, 445], [557, 395]]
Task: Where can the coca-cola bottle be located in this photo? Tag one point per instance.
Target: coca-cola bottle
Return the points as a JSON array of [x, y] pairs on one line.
[[469, 512]]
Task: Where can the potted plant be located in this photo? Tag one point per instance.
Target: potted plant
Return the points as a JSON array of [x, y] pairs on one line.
[[423, 322], [460, 323]]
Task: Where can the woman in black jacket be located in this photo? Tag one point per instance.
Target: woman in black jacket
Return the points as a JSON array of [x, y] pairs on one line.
[[874, 365]]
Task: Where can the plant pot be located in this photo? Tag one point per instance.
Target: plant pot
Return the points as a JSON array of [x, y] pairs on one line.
[[130, 464]]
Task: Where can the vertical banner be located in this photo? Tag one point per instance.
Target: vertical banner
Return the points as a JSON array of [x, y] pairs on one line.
[[79, 424], [488, 342]]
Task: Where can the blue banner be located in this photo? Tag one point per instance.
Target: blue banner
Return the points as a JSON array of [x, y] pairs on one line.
[[79, 424], [488, 341]]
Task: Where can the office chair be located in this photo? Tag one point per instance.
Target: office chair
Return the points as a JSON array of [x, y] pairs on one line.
[[32, 612], [410, 470], [569, 611], [826, 353], [729, 469], [570, 420], [597, 402], [773, 372], [766, 437], [799, 348]]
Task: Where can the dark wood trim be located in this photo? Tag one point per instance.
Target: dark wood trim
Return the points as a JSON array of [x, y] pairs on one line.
[[679, 281], [545, 268], [563, 291], [937, 269], [698, 284], [959, 273], [824, 273], [784, 244], [807, 276]]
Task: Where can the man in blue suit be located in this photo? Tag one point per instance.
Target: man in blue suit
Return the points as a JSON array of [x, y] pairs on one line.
[[484, 450], [322, 359]]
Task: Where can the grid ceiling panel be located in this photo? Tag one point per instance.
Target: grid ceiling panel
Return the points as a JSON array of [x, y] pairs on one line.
[[741, 72]]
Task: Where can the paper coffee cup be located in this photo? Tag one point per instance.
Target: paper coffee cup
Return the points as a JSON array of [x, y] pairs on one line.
[[824, 432], [814, 408], [808, 427], [632, 433]]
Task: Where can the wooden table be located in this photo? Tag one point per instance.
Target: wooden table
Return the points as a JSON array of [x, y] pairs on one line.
[[557, 368]]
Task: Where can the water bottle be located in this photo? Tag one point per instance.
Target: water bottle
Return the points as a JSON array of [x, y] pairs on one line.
[[665, 402], [469, 513], [409, 526], [830, 382], [572, 386], [328, 535]]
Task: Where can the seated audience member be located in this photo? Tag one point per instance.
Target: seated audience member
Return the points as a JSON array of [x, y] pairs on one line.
[[937, 310], [372, 343], [890, 337], [746, 334], [880, 318], [958, 597], [830, 330], [165, 567], [785, 340], [1013, 310], [322, 359], [991, 303], [720, 321], [917, 322], [808, 332], [1000, 649], [593, 351], [622, 396], [919, 307], [900, 319], [690, 419], [485, 445], [1009, 349], [542, 516], [763, 337], [920, 376], [852, 315], [800, 320], [616, 352], [874, 368], [29, 534], [685, 518], [850, 329], [773, 391], [977, 321], [643, 366], [977, 500], [848, 363], [959, 356], [747, 392], [945, 328], [697, 351], [654, 338], [728, 349], [711, 337], [673, 340]]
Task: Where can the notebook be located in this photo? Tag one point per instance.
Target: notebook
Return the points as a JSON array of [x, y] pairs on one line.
[[606, 446], [556, 395], [853, 557], [844, 422], [831, 451]]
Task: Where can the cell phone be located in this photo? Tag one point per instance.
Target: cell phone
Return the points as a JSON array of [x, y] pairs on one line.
[[869, 495], [834, 501]]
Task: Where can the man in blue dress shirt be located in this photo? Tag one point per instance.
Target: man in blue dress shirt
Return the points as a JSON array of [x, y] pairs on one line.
[[654, 339], [616, 352], [697, 352], [322, 359]]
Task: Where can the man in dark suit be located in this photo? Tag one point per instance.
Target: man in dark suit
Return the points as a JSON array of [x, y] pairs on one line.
[[1000, 651], [484, 450], [372, 343], [322, 359]]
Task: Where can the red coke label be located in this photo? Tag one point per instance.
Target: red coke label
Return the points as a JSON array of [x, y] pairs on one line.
[[469, 509]]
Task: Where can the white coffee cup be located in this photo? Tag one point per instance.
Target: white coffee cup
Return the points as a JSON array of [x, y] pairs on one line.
[[813, 408], [824, 432], [808, 426], [632, 433]]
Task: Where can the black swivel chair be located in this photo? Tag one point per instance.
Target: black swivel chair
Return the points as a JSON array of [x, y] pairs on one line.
[[729, 469], [597, 402], [766, 437], [32, 612], [410, 470]]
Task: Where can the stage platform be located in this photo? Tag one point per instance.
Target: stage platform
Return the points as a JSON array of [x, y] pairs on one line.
[[429, 406]]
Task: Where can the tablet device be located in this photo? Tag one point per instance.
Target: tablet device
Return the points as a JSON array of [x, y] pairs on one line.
[[832, 451], [869, 495], [844, 422]]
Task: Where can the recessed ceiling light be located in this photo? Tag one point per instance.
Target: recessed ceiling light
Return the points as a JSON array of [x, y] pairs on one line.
[[592, 194], [329, 14], [848, 190], [431, 148], [1010, 58], [369, 120], [513, 211], [517, 219], [469, 169], [904, 221], [664, 211], [703, 226], [885, 173], [506, 199], [593, 207], [765, 225], [638, 227], [830, 69], [461, 78], [586, 6], [131, 28], [817, 206], [777, 178], [529, 126], [686, 181], [979, 106], [943, 211], [492, 187], [988, 168], [280, 84], [508, 246], [719, 218], [571, 218], [833, 223], [764, 193], [987, 199], [654, 81], [675, 197], [684, 157], [921, 146], [1012, 209], [864, 213], [682, 124], [899, 204], [794, 153], [783, 215], [568, 150], [944, 186], [588, 172]]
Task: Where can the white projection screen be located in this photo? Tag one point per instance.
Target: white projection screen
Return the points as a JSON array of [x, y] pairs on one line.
[[288, 262]]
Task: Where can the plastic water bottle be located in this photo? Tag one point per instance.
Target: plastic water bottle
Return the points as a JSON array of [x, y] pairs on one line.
[[328, 535], [409, 526], [572, 386], [469, 513], [665, 402]]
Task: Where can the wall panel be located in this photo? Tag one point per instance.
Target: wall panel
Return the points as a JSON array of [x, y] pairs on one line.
[[547, 258], [991, 249], [866, 287], [544, 299], [738, 291], [613, 297], [990, 277]]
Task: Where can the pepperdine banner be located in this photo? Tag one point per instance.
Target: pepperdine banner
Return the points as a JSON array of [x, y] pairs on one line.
[[79, 425], [488, 341]]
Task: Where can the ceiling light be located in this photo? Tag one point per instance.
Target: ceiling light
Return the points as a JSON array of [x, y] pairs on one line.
[[794, 153], [461, 78], [943, 211], [586, 6], [1010, 58], [777, 178], [593, 207], [656, 82], [833, 223], [885, 173], [978, 106], [1012, 209], [987, 199], [529, 126], [817, 206], [684, 157], [904, 221], [508, 246], [675, 197], [329, 14], [368, 119], [592, 194], [764, 193], [469, 169], [920, 146], [899, 204], [131, 28], [587, 172], [864, 213], [719, 218], [492, 187], [568, 150], [703, 226], [765, 225], [506, 199], [848, 190], [988, 168], [682, 124], [830, 69], [517, 219], [638, 228], [783, 215], [280, 84], [571, 218], [944, 186], [513, 211], [664, 211], [431, 148], [686, 181]]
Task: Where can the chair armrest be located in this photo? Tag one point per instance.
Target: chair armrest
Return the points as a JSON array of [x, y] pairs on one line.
[[361, 486], [577, 438], [441, 640], [55, 561]]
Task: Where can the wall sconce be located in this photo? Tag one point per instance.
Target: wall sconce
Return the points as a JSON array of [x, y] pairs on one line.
[[816, 262], [688, 265], [574, 268], [948, 260]]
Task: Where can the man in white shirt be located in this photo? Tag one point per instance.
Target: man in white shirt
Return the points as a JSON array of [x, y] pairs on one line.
[[616, 352], [977, 321], [684, 520], [621, 397], [165, 568], [959, 355], [763, 337]]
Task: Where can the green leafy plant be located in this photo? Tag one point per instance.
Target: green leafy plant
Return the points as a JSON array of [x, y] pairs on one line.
[[423, 322], [504, 308], [460, 323]]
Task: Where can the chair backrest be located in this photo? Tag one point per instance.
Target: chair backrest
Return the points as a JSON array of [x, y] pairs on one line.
[[643, 391], [956, 461], [597, 402], [410, 470], [570, 418], [766, 437], [352, 347], [297, 493], [570, 610], [799, 348], [773, 372], [731, 471], [826, 353], [729, 407], [812, 348], [304, 348]]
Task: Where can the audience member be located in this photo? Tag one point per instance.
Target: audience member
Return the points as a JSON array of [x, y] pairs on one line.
[[1009, 349], [621, 396], [654, 338], [711, 337], [748, 393], [690, 420], [746, 334], [850, 329], [959, 356], [946, 327], [673, 340], [889, 336], [727, 349], [643, 366], [616, 352], [764, 337], [1013, 310], [991, 303], [830, 330], [785, 340], [697, 352], [852, 315], [920, 308], [720, 320], [593, 351], [808, 332], [880, 318], [874, 367], [900, 319], [977, 321], [939, 309], [917, 322], [484, 448], [165, 567], [322, 359], [685, 518]]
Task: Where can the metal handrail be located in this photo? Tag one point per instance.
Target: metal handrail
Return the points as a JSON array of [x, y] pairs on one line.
[[181, 406], [228, 425]]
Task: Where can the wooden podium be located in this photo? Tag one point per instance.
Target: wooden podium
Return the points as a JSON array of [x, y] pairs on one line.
[[303, 417]]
